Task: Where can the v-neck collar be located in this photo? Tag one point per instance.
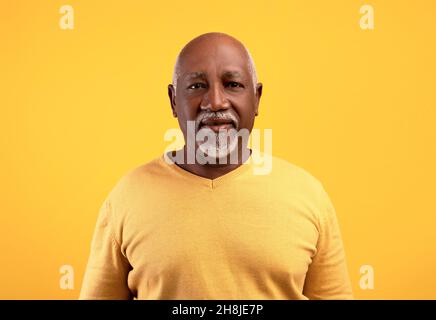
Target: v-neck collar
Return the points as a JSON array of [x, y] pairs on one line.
[[210, 183]]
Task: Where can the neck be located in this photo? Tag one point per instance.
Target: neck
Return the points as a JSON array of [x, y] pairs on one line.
[[213, 171]]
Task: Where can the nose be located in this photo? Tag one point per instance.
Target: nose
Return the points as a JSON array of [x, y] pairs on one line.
[[215, 99]]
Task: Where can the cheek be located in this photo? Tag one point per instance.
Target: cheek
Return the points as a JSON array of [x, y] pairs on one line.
[[188, 108], [185, 113], [246, 111], [182, 123]]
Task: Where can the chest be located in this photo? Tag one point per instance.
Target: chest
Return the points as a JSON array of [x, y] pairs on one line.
[[212, 235]]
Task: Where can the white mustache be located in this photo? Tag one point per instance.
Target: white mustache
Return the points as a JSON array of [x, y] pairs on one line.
[[228, 116]]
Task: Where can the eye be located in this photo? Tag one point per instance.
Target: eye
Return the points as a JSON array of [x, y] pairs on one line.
[[197, 85], [233, 84]]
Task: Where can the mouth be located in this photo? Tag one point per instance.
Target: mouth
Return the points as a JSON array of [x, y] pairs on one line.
[[217, 124]]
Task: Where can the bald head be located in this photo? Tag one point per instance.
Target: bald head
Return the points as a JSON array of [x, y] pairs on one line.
[[213, 39]]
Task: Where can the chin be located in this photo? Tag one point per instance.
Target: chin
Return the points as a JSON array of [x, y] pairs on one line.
[[218, 153]]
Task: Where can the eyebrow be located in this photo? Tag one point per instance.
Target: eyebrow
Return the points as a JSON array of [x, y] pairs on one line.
[[232, 74], [202, 75], [195, 75]]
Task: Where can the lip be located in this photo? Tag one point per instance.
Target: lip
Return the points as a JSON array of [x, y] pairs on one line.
[[217, 127], [217, 121], [217, 124]]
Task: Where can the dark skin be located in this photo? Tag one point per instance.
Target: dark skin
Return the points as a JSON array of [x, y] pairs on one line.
[[214, 71]]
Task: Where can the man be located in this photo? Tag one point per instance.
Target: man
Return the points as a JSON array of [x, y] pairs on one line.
[[206, 227]]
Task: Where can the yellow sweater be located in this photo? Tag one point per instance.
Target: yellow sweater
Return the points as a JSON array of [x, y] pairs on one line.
[[165, 233]]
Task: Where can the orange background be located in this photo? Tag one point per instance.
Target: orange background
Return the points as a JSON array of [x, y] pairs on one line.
[[80, 108]]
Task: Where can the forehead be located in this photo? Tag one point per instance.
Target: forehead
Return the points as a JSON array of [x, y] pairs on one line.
[[222, 58]]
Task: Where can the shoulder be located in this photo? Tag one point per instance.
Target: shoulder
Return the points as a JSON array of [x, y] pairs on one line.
[[290, 173], [136, 179], [293, 181]]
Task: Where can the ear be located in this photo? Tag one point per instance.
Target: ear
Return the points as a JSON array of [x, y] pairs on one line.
[[172, 96], [259, 88]]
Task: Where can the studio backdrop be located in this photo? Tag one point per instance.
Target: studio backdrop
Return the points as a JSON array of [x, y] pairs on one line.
[[348, 93]]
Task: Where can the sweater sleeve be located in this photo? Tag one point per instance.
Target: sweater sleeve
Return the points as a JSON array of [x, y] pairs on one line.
[[107, 268], [327, 276]]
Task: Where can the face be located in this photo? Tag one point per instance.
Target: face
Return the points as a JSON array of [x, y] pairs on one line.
[[215, 88]]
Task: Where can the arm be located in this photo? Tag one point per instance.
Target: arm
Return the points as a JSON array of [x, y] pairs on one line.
[[327, 276], [107, 269]]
